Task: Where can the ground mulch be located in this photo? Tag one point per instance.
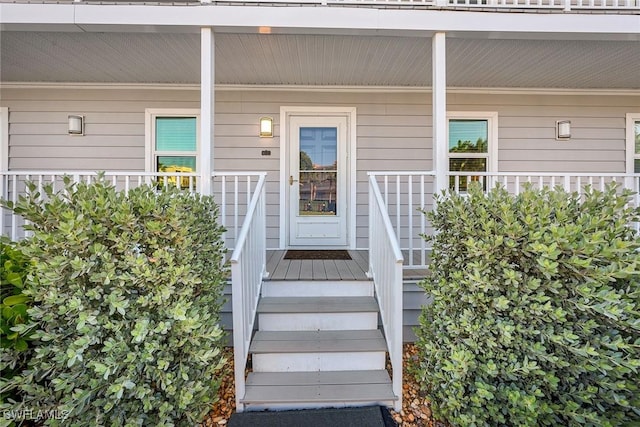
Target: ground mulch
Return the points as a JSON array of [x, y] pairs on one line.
[[416, 409]]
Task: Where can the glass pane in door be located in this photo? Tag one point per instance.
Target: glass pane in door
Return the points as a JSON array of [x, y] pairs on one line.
[[318, 170]]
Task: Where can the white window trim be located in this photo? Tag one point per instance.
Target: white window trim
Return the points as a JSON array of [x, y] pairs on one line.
[[4, 138], [150, 115], [492, 135], [631, 146]]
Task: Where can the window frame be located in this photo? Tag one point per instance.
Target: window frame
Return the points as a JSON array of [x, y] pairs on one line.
[[631, 154], [492, 137], [150, 135]]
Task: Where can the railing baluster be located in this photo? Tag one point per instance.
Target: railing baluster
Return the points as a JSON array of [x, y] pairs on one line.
[[398, 207], [14, 199], [423, 224], [410, 233], [223, 207], [4, 183], [235, 208]]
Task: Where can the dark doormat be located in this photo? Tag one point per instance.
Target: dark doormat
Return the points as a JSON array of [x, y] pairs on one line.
[[371, 416], [309, 254]]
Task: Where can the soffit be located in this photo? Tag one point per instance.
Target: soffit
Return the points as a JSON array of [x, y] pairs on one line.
[[342, 60]]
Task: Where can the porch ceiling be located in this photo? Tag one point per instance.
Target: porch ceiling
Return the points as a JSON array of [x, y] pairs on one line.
[[306, 59]]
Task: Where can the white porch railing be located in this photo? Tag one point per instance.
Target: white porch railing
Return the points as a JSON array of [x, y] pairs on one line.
[[405, 194], [566, 5], [385, 268], [248, 268], [232, 192]]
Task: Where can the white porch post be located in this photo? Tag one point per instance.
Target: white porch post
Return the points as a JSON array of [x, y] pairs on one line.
[[207, 107], [439, 101]]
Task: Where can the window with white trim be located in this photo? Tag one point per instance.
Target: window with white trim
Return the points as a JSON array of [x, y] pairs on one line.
[[172, 140], [472, 146]]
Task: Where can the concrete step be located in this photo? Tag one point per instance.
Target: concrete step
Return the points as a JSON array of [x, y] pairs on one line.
[[290, 351], [294, 390], [317, 313], [317, 288]]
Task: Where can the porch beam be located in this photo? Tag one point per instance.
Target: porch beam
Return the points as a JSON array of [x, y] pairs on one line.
[[439, 106], [318, 20], [207, 107]]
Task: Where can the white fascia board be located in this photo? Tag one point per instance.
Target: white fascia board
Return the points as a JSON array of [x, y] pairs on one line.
[[40, 14], [325, 20]]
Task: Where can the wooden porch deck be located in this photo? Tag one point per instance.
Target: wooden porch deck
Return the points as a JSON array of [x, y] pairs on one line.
[[354, 269]]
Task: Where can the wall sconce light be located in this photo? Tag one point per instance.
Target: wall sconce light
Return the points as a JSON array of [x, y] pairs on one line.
[[563, 129], [266, 127], [76, 124]]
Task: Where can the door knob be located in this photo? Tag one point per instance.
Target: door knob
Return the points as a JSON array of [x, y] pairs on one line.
[[291, 180]]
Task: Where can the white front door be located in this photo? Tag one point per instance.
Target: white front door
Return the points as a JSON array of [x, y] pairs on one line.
[[317, 182]]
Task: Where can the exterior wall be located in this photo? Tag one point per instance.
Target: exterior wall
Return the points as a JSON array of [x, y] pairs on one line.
[[527, 130], [413, 298], [393, 132]]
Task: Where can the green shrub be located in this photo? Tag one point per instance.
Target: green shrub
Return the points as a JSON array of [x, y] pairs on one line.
[[535, 319], [15, 350], [13, 271], [127, 293]]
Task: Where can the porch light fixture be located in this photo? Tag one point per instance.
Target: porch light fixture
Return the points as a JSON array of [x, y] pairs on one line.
[[563, 129], [266, 127], [76, 124]]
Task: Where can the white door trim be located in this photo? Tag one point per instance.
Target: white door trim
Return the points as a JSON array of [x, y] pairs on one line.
[[4, 138], [350, 114]]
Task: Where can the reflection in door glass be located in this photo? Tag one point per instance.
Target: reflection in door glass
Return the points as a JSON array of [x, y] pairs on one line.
[[318, 170]]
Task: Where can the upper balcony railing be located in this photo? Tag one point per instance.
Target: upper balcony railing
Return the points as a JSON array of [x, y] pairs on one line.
[[563, 5]]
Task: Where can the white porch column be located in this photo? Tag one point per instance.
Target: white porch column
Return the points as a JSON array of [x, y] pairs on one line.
[[207, 107], [439, 101]]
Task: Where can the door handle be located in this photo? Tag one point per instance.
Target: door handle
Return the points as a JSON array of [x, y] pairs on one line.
[[291, 180]]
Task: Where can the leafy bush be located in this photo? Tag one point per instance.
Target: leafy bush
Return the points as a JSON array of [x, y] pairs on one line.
[[127, 293], [13, 311], [535, 317], [13, 271]]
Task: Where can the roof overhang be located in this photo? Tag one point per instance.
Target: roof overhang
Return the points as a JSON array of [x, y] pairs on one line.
[[316, 20], [316, 46]]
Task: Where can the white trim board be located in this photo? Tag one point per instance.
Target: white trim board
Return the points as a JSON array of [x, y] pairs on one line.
[[630, 140], [4, 138], [350, 113], [320, 88]]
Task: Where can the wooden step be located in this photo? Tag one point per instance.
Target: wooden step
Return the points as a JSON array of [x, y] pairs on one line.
[[317, 313], [322, 304], [287, 351], [317, 341], [317, 288], [291, 390]]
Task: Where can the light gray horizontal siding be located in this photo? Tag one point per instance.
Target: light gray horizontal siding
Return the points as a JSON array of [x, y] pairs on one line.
[[393, 132], [413, 299]]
